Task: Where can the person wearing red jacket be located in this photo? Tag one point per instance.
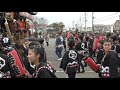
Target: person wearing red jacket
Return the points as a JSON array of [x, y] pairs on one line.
[[95, 43]]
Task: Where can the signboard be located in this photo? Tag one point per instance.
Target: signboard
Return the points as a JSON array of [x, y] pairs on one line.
[[27, 15]]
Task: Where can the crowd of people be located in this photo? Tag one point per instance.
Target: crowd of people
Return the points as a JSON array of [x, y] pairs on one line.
[[105, 47], [30, 61], [33, 61]]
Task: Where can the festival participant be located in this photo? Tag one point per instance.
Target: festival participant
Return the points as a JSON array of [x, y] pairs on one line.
[[43, 69]]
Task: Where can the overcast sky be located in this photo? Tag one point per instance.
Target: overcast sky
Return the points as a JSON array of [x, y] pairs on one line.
[[68, 17]]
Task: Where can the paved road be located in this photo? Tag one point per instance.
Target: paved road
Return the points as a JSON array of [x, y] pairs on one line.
[[52, 59]]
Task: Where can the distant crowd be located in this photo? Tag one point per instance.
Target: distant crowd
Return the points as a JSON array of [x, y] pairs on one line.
[[26, 57]]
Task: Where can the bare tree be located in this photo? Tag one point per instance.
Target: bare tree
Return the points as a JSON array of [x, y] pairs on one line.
[[40, 23]]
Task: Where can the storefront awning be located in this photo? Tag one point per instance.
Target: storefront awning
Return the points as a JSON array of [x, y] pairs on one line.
[[27, 15]]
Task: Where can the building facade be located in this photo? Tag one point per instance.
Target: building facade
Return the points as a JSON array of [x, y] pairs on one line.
[[108, 28], [98, 27], [116, 26]]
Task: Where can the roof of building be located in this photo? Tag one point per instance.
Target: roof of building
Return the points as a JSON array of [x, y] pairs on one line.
[[117, 21]]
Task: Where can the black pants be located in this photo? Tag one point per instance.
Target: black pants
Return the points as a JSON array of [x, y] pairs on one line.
[[47, 43], [90, 51], [80, 64], [72, 75], [64, 44]]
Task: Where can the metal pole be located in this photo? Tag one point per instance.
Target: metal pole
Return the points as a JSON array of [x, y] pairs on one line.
[[73, 24], [85, 21], [80, 24], [92, 22]]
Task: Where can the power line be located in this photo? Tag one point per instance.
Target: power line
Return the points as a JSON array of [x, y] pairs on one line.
[[107, 19], [103, 19], [108, 16], [87, 17]]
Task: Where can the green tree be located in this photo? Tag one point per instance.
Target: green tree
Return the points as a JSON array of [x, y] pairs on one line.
[[55, 26], [76, 31], [58, 26], [61, 26]]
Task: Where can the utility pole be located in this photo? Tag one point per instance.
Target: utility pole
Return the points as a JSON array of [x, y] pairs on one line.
[[92, 22], [85, 21], [73, 24], [80, 24]]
